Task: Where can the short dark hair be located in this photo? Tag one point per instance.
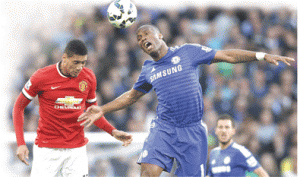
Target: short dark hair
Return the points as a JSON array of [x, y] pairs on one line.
[[149, 26], [75, 47], [227, 117]]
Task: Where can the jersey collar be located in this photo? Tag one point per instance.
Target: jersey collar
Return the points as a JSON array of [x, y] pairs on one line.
[[57, 67]]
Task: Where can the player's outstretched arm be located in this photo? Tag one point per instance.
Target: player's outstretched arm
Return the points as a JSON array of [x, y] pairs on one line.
[[243, 56], [94, 113], [261, 172], [122, 136]]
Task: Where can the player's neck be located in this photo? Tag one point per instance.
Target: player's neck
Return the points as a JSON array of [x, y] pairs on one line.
[[225, 145], [161, 53], [63, 70]]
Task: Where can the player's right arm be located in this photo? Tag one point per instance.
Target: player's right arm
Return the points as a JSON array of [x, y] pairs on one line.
[[93, 113], [29, 91], [18, 120]]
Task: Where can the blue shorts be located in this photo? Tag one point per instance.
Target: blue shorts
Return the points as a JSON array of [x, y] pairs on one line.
[[187, 146]]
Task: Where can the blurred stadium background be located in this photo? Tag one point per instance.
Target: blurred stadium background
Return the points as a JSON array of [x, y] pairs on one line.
[[262, 98]]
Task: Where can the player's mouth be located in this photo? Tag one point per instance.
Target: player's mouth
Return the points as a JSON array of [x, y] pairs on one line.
[[75, 74], [148, 45], [223, 137]]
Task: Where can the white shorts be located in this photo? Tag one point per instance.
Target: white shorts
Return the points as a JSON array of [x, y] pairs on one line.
[[59, 162]]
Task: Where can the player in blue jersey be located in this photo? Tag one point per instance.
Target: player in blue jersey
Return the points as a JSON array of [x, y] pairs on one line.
[[230, 158], [178, 133]]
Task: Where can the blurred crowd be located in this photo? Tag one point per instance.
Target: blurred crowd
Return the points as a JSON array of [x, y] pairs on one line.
[[261, 97]]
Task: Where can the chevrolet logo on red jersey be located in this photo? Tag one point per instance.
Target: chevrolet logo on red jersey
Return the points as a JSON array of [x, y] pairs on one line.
[[69, 100]]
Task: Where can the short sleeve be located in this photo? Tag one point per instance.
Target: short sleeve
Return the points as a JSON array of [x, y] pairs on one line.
[[248, 160], [252, 163], [30, 90], [200, 54], [142, 85]]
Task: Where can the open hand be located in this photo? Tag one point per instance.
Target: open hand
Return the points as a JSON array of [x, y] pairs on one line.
[[22, 153], [122, 136], [92, 114], [274, 59]]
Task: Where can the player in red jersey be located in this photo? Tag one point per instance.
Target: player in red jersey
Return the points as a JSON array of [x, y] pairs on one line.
[[64, 90]]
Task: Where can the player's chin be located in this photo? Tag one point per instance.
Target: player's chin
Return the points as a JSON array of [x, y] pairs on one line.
[[146, 51], [224, 141], [75, 74]]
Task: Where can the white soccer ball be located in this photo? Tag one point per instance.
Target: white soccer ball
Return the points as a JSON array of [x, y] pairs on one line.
[[121, 13]]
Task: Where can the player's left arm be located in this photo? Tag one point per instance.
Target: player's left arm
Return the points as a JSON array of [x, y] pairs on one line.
[[102, 123], [242, 56], [260, 171]]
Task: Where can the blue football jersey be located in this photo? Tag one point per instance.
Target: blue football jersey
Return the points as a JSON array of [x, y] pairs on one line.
[[232, 161], [175, 79]]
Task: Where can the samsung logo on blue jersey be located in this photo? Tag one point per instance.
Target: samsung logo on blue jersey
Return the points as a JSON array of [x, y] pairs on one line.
[[165, 72]]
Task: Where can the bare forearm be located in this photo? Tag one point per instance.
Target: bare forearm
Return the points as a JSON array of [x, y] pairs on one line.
[[243, 56], [93, 113], [123, 101], [235, 56]]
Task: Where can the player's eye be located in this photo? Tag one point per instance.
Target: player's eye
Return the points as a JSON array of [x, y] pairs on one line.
[[78, 62], [139, 37]]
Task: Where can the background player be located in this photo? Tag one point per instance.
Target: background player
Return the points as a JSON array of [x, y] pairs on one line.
[[178, 132], [230, 158], [64, 90]]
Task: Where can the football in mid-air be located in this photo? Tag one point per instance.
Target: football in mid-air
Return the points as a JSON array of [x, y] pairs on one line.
[[121, 13]]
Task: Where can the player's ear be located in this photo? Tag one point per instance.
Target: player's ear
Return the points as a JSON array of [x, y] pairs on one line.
[[64, 56], [160, 36], [233, 130]]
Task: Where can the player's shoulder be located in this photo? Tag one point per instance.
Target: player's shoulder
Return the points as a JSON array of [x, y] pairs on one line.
[[147, 63], [241, 149], [185, 45], [215, 150], [43, 73], [88, 73], [191, 46], [47, 68], [179, 47]]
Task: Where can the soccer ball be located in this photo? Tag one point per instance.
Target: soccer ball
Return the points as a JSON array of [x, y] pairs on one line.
[[121, 13]]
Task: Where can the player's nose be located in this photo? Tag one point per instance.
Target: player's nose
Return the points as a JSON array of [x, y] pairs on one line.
[[223, 130], [79, 67], [144, 38]]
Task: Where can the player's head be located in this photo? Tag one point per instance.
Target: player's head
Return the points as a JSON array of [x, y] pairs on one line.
[[74, 58], [225, 129], [150, 40]]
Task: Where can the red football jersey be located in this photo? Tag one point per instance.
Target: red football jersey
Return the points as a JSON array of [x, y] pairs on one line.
[[62, 100]]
